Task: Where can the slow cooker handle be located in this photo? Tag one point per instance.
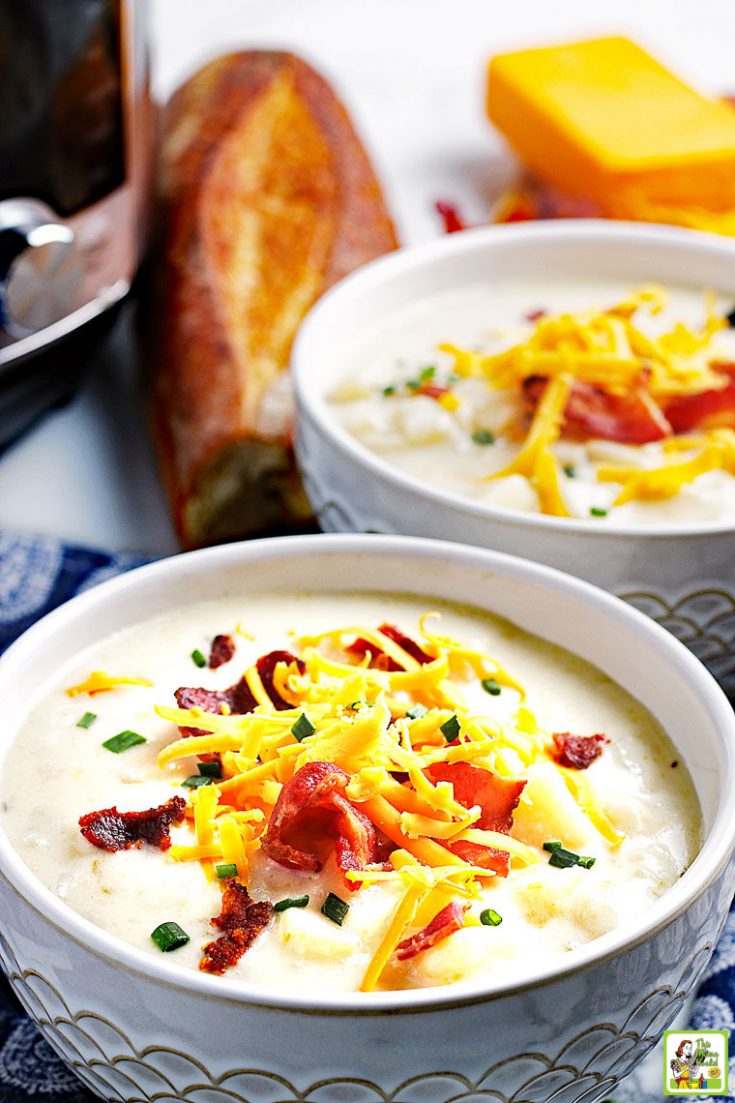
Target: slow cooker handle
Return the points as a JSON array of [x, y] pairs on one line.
[[40, 267]]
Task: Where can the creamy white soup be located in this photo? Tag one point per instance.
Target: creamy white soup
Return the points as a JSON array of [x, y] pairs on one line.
[[587, 399], [371, 797]]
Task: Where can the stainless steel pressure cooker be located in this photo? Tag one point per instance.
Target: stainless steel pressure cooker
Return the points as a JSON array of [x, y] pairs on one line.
[[75, 143]]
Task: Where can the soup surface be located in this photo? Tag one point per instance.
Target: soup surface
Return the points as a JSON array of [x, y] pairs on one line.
[[424, 799], [586, 399]]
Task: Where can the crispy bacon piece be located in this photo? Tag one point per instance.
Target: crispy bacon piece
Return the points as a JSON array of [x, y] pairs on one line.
[[707, 410], [577, 751], [378, 658], [633, 418], [450, 216], [432, 390], [238, 699], [486, 857], [312, 816], [409, 646], [242, 920], [221, 651], [112, 830], [444, 923], [380, 661], [266, 666], [497, 796]]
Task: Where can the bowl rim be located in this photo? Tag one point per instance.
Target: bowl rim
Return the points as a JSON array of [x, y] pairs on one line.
[[698, 878], [405, 261]]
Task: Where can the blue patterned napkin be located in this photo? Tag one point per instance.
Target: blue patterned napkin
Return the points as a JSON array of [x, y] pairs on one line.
[[39, 573]]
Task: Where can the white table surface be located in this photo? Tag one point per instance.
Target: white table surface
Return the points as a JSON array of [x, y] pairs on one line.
[[412, 74]]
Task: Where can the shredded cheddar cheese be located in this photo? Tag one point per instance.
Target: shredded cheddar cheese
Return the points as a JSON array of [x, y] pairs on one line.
[[99, 682], [385, 725]]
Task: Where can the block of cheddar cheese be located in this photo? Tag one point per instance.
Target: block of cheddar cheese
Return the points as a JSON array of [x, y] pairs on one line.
[[604, 120]]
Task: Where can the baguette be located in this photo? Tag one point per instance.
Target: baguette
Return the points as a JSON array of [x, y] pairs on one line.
[[266, 199]]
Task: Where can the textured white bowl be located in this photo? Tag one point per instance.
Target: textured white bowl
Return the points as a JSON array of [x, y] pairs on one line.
[[683, 578], [137, 1027]]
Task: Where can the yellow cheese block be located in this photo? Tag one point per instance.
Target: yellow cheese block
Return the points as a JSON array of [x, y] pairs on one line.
[[604, 120]]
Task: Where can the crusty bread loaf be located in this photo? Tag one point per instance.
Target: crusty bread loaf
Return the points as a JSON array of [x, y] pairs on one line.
[[266, 199]]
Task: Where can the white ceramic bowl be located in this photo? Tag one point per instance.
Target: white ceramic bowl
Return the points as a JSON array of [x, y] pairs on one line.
[[683, 578], [136, 1027]]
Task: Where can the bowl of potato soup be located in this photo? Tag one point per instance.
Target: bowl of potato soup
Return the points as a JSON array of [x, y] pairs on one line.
[[564, 392], [361, 817]]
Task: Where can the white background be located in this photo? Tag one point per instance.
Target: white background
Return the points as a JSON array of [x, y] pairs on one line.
[[412, 74]]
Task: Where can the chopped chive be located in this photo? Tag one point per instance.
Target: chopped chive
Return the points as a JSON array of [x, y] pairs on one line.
[[553, 844], [226, 869], [492, 687], [483, 436], [198, 658], [565, 859], [450, 729], [123, 741], [413, 384], [389, 390], [196, 781], [570, 470], [291, 902], [416, 712], [427, 373], [169, 936], [303, 727], [335, 909], [595, 511], [210, 769], [87, 720], [490, 918]]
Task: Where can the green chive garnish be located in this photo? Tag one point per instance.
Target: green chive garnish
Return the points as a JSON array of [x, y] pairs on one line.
[[491, 686], [490, 918], [226, 869], [483, 436], [303, 727], [198, 658], [416, 712], [291, 902], [427, 373], [169, 936], [450, 729], [570, 471], [335, 909], [553, 844], [413, 384], [87, 720], [565, 859], [387, 391], [210, 769], [595, 511], [196, 781], [123, 741]]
